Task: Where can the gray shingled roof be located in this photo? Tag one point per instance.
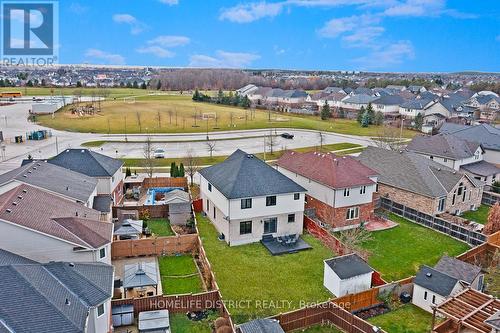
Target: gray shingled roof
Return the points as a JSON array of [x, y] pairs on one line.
[[53, 297], [243, 175], [360, 99], [442, 145], [142, 274], [416, 104], [54, 179], [87, 162], [487, 135], [9, 258], [410, 171], [102, 203], [348, 266], [457, 269], [261, 326], [389, 100], [481, 168], [435, 281]]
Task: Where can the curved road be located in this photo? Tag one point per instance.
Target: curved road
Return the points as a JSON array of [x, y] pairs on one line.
[[13, 121]]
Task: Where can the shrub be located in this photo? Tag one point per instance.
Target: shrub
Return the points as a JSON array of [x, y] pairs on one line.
[[221, 322]]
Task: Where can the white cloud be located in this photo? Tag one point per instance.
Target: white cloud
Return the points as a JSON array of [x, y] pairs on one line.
[[170, 41], [246, 13], [136, 26], [417, 8], [109, 58], [223, 59], [170, 2], [338, 26], [158, 51], [387, 56], [364, 36]]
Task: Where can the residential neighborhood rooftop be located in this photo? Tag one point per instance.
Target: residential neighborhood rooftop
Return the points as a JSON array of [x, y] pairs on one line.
[[348, 266], [244, 175], [487, 135], [457, 269], [435, 281], [87, 162], [448, 146]]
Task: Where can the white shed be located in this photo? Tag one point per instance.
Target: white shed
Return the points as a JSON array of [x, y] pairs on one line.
[[347, 274]]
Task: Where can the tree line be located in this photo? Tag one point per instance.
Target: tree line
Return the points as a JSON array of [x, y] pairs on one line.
[[222, 98]]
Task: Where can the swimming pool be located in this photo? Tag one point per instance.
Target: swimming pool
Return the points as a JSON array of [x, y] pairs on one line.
[[151, 194]]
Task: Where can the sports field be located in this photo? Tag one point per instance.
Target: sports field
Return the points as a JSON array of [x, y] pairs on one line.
[[178, 114]]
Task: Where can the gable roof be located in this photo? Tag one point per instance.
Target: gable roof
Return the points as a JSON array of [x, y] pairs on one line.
[[435, 281], [46, 213], [54, 179], [58, 295], [416, 104], [348, 266], [261, 326], [327, 169], [457, 269], [9, 258], [389, 100], [487, 135], [87, 162], [411, 172], [360, 99], [448, 146], [243, 175], [481, 168]]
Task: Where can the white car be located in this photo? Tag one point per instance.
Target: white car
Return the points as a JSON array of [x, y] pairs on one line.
[[159, 153]]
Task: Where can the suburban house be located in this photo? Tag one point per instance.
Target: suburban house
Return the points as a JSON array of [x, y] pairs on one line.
[[487, 135], [246, 199], [456, 153], [470, 274], [339, 189], [59, 181], [356, 102], [421, 183], [388, 103], [431, 287], [106, 170], [246, 90], [347, 274], [54, 297], [45, 227], [416, 89], [414, 107]]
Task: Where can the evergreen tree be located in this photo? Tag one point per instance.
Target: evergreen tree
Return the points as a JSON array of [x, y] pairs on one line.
[[220, 96], [196, 95], [418, 121], [128, 173], [379, 118], [129, 85], [245, 102], [361, 112], [29, 83], [341, 112], [371, 113], [326, 113], [144, 85], [365, 119], [158, 85], [173, 170], [2, 83], [78, 84], [181, 172], [135, 85]]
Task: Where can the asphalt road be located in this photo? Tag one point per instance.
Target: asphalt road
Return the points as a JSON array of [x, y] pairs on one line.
[[14, 121]]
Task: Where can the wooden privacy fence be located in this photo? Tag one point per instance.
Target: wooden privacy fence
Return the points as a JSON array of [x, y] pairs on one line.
[[165, 182], [154, 246], [154, 211], [451, 229], [483, 255], [324, 236]]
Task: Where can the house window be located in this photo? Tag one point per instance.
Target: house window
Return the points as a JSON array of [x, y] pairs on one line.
[[431, 157], [362, 190], [296, 196], [453, 199], [347, 192], [215, 216], [442, 202], [245, 227], [460, 189], [208, 205], [100, 310], [271, 200], [352, 213], [209, 187], [102, 253], [433, 299], [465, 192], [445, 160], [246, 203], [291, 218], [376, 188], [425, 295]]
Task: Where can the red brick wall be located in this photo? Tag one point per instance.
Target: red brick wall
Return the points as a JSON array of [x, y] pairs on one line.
[[118, 193], [336, 217]]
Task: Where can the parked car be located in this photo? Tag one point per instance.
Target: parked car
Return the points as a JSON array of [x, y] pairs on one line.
[[287, 135], [159, 153]]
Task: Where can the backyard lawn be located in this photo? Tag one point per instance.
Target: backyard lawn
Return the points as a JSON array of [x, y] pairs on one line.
[[181, 324], [179, 275], [479, 216], [407, 319], [160, 227], [321, 329], [397, 253], [255, 284]]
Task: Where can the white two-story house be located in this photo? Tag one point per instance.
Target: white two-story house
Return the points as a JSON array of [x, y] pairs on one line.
[[339, 189], [246, 199]]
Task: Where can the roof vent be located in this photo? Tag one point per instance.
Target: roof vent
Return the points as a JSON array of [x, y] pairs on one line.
[[67, 302], [67, 188], [25, 191], [8, 210], [25, 176], [34, 168], [71, 264], [76, 213], [428, 274], [249, 156], [83, 150], [19, 197], [14, 203]]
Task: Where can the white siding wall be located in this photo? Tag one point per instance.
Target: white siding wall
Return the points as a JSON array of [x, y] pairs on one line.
[[339, 287], [492, 156], [426, 304], [104, 185], [99, 324]]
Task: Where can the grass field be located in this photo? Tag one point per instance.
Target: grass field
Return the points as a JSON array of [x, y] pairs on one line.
[[256, 284], [179, 323], [179, 114], [407, 319], [479, 216], [109, 92], [397, 253], [160, 227], [179, 275]]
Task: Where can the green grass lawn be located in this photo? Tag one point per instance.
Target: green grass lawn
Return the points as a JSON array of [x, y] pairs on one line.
[[181, 324], [177, 275], [407, 319], [179, 114], [160, 227], [109, 92], [262, 283], [479, 216], [397, 253]]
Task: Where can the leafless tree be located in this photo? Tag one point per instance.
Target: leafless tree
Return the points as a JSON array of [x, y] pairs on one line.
[[138, 115], [191, 164], [271, 141], [149, 159], [170, 113], [353, 239], [158, 119], [388, 137], [321, 138], [210, 146]]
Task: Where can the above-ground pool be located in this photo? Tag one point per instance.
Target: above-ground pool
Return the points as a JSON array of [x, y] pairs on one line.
[[151, 194]]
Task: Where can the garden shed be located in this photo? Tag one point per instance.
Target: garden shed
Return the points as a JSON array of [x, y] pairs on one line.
[[347, 274]]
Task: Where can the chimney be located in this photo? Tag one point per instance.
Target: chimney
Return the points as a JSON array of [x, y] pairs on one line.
[[67, 302]]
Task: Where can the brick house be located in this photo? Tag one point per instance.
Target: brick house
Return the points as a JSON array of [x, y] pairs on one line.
[[339, 189], [421, 183]]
